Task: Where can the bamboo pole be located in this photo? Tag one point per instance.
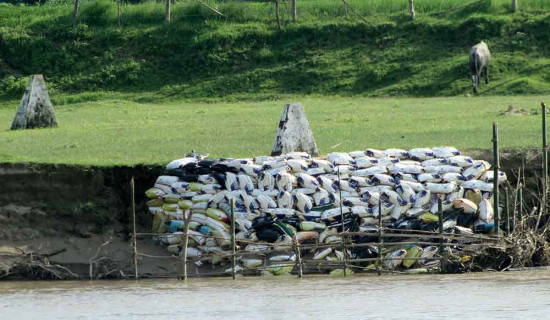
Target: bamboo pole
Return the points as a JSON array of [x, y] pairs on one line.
[[168, 10], [134, 240], [507, 211], [496, 168], [118, 12], [544, 204], [185, 243], [440, 211], [380, 239], [294, 12], [298, 255], [520, 213], [515, 5], [233, 245], [343, 226], [411, 9], [75, 13]]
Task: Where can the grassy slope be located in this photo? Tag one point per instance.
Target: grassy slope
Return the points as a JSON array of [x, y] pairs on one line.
[[124, 132], [201, 55]]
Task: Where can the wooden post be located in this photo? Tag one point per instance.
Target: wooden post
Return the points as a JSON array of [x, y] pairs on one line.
[[380, 241], [185, 243], [75, 13], [411, 9], [277, 15], [440, 210], [298, 255], [294, 12], [342, 217], [134, 240], [118, 12], [233, 245], [168, 9], [544, 203], [515, 5], [507, 211], [496, 168], [520, 213]]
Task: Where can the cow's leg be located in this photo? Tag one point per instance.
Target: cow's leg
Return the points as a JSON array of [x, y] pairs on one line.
[[487, 74]]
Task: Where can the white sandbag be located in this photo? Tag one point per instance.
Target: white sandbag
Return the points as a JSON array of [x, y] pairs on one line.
[[315, 171], [366, 162], [396, 153], [211, 188], [274, 171], [400, 209], [440, 187], [266, 181], [327, 184], [475, 171], [390, 196], [421, 154], [305, 191], [297, 165], [306, 181], [266, 202], [386, 209], [361, 211], [237, 163], [445, 152], [280, 211], [477, 184], [442, 169], [344, 186], [410, 163], [466, 205], [357, 154], [338, 158], [369, 171], [434, 162], [179, 163], [273, 164], [217, 198], [383, 179], [200, 207], [260, 160], [404, 176], [445, 205], [298, 155], [387, 161], [369, 221], [326, 165], [251, 169], [285, 200], [321, 198], [302, 202], [416, 212], [207, 179], [179, 187], [452, 177], [356, 182], [429, 177], [378, 189], [422, 198], [343, 170], [285, 181], [231, 182], [202, 198], [406, 192], [375, 153], [457, 193], [461, 161], [489, 177], [245, 183], [322, 254], [164, 188], [486, 211], [335, 212], [416, 186], [401, 168], [269, 193]]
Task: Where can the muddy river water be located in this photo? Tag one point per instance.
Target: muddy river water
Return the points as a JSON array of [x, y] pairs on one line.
[[510, 295]]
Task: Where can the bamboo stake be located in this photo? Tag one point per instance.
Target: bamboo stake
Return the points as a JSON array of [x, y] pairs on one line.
[[185, 243], [294, 12], [118, 12], [298, 255], [168, 9], [343, 226], [440, 210], [277, 17], [75, 13], [134, 240], [507, 211], [496, 168], [380, 239], [233, 245], [520, 213], [515, 5], [411, 9], [544, 204]]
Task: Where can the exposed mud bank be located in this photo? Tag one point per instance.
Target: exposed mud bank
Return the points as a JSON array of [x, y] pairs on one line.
[[82, 213]]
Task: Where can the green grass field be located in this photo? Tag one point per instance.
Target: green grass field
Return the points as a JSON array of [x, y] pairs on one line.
[[123, 132]]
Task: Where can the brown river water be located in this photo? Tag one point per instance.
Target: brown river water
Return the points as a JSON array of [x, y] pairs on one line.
[[509, 295]]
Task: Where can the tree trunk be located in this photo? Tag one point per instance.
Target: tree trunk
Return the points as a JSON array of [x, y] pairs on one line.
[[515, 5], [411, 9], [277, 14], [75, 13], [118, 12], [168, 4], [294, 13]]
